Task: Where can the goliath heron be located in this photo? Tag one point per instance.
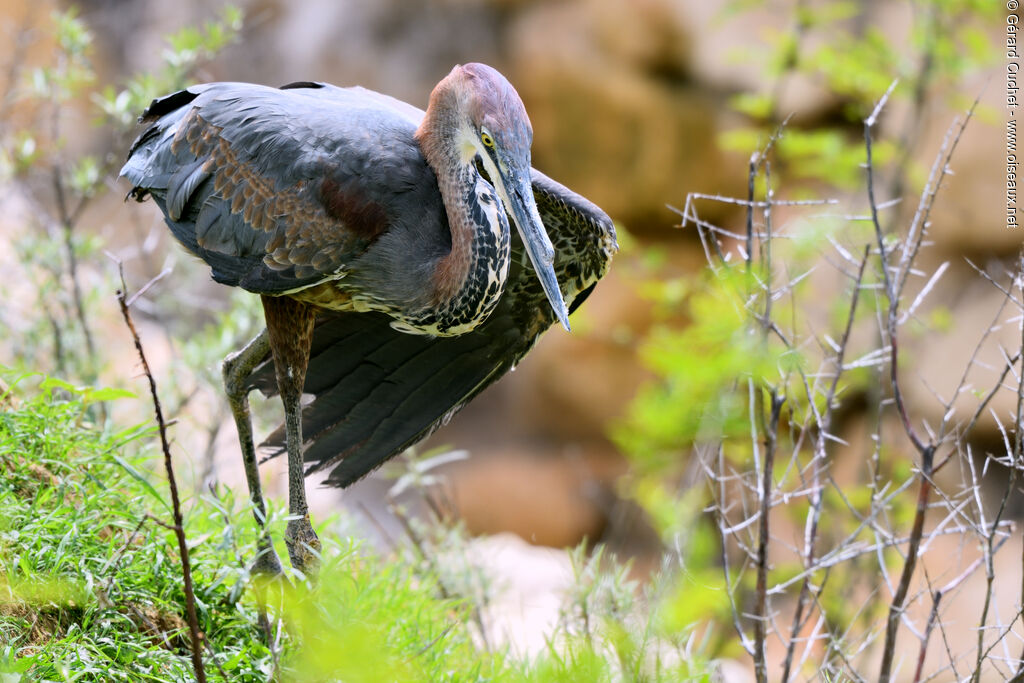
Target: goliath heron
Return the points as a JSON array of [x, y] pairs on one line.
[[378, 238]]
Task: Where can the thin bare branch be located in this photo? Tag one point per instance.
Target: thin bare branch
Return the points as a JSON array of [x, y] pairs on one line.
[[824, 422], [761, 611], [179, 530]]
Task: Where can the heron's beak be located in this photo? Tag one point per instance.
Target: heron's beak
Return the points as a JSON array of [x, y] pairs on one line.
[[538, 246]]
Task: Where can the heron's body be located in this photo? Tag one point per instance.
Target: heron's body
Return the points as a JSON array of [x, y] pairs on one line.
[[359, 219], [327, 200], [377, 391]]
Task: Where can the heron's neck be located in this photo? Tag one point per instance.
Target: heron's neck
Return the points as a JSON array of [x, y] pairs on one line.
[[468, 281]]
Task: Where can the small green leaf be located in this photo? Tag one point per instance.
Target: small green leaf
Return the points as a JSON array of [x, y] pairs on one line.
[[51, 383], [142, 479], [110, 394]]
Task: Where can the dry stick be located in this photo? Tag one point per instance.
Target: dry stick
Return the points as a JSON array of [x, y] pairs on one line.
[[990, 535], [756, 159], [836, 638], [1018, 444], [760, 610], [816, 498], [179, 530], [770, 435], [751, 177], [760, 616], [910, 562], [720, 521], [927, 451], [766, 252], [983, 404], [916, 235], [933, 616]]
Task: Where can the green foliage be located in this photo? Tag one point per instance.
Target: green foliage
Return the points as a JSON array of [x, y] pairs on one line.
[[186, 50], [853, 63], [105, 593], [735, 336], [704, 367], [364, 620], [859, 67], [56, 333], [87, 598], [90, 583]]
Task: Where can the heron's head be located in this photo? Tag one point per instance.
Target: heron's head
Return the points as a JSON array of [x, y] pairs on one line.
[[477, 117]]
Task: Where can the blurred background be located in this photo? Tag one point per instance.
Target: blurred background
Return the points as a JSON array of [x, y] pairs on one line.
[[634, 104]]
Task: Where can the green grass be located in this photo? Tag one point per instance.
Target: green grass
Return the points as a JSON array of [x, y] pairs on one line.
[[85, 593], [91, 587]]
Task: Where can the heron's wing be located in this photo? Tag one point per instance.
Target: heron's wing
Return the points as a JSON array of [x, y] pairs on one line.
[[377, 391], [275, 189]]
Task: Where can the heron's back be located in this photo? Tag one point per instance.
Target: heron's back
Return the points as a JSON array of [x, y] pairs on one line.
[[279, 190]]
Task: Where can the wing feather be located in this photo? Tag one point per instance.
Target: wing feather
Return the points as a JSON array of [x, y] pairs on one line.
[[274, 201], [377, 391]]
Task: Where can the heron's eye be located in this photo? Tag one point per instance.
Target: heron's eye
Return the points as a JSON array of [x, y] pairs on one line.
[[487, 139]]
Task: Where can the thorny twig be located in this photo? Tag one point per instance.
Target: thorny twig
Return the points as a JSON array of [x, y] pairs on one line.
[[749, 534], [933, 615], [767, 482], [989, 530], [894, 286], [720, 521], [814, 514], [927, 451]]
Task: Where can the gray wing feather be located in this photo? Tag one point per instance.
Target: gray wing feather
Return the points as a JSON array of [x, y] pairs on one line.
[[239, 171], [377, 392], [182, 185]]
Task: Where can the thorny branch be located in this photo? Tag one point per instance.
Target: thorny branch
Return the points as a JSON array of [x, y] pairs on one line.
[[767, 485], [814, 514], [748, 530], [927, 451], [894, 286]]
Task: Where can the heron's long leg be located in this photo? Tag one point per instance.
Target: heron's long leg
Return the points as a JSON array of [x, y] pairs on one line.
[[236, 369], [290, 327]]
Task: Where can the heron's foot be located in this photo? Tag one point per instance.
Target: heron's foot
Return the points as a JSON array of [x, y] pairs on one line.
[[267, 563], [303, 544]]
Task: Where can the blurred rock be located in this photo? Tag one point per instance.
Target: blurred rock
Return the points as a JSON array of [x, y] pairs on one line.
[[397, 47], [968, 217], [547, 496], [973, 348], [530, 586], [614, 115], [575, 386]]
